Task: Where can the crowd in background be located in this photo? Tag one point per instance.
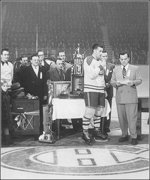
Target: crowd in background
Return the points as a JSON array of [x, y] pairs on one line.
[[63, 25]]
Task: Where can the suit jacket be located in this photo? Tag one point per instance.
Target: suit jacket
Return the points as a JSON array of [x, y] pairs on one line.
[[46, 65], [107, 76], [126, 94], [35, 85], [66, 66], [18, 75], [5, 116], [68, 74], [54, 75]]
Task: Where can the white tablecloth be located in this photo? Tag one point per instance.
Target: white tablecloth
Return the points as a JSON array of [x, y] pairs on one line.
[[72, 108], [68, 108]]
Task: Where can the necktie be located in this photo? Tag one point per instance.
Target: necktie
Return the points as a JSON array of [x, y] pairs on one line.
[[124, 72]]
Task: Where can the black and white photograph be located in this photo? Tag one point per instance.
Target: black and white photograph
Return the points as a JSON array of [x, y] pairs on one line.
[[74, 89]]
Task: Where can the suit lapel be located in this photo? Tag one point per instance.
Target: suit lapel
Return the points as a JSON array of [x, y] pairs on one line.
[[129, 67], [119, 73], [61, 75], [39, 72], [58, 75], [33, 73], [107, 71], [129, 71], [107, 66]]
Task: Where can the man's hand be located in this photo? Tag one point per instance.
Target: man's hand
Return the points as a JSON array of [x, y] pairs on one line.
[[101, 72], [29, 96], [118, 84], [130, 83], [107, 85]]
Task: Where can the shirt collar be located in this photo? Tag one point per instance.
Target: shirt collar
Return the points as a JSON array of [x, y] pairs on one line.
[[42, 63], [37, 67], [94, 57], [126, 67], [4, 62]]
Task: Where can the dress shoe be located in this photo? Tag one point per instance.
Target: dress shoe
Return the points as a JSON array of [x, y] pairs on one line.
[[134, 141], [100, 137], [123, 139]]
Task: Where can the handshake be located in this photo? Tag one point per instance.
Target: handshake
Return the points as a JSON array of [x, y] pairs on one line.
[[101, 72]]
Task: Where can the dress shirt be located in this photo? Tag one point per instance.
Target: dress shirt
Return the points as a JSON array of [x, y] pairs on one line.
[[36, 69], [7, 72], [42, 63], [126, 67]]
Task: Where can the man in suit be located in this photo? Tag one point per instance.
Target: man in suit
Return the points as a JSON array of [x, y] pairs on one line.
[[56, 74], [66, 65], [19, 67], [42, 60], [6, 67], [34, 83], [68, 74], [108, 70], [125, 78]]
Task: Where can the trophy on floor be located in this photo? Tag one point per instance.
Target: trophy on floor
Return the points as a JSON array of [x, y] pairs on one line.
[[48, 135]]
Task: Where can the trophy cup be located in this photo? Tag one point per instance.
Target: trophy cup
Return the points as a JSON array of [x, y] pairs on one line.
[[77, 76]]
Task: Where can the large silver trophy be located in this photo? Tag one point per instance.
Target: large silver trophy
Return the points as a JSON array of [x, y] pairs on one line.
[[48, 135], [77, 75]]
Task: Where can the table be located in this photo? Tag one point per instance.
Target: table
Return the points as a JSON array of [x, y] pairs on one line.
[[67, 109], [71, 109], [143, 106]]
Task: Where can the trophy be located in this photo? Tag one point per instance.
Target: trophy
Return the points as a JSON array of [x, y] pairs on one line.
[[77, 73]]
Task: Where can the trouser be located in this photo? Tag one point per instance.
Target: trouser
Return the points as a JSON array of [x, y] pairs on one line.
[[107, 123], [103, 124], [127, 114], [41, 103], [41, 118]]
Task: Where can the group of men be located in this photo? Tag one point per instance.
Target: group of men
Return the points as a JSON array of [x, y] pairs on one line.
[[99, 79], [33, 75]]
